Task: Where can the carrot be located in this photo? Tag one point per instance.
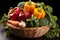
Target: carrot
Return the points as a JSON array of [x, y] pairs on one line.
[[15, 23]]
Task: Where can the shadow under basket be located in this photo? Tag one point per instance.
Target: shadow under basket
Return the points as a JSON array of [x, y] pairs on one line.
[[28, 32]]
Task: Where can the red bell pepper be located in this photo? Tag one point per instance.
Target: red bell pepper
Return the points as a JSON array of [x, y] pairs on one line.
[[14, 13]]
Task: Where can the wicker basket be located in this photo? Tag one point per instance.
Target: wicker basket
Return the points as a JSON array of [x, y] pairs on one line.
[[28, 32]]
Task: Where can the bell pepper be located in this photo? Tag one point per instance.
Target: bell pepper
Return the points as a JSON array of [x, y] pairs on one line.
[[29, 6], [39, 13], [24, 15], [14, 12]]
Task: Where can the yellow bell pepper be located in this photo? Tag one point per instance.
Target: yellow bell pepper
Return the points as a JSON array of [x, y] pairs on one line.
[[39, 13], [29, 6]]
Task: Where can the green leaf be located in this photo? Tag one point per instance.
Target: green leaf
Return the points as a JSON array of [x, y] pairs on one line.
[[48, 9], [55, 18], [54, 31], [57, 35], [41, 5], [52, 34], [36, 22], [5, 27], [32, 22], [21, 5], [7, 33], [5, 17]]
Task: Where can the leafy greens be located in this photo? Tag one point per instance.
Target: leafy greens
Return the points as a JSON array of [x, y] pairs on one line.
[[54, 31]]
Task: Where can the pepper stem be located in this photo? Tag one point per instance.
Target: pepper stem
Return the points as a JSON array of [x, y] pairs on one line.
[[11, 10], [39, 11], [30, 2]]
